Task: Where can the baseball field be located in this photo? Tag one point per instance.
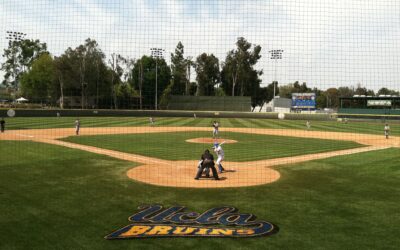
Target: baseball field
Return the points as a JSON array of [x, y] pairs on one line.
[[335, 185]]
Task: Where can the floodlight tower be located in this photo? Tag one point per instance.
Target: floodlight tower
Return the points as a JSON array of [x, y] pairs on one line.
[[276, 54], [157, 53], [15, 36]]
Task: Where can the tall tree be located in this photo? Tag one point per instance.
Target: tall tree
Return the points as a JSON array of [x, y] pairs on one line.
[[208, 74], [18, 58], [386, 91], [179, 68], [37, 83], [116, 63], [144, 78], [332, 98], [264, 95], [287, 90], [238, 74], [189, 64], [83, 70], [345, 92], [360, 90]]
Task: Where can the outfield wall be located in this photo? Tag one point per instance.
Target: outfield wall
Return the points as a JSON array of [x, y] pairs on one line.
[[369, 114], [161, 113], [210, 103], [369, 111]]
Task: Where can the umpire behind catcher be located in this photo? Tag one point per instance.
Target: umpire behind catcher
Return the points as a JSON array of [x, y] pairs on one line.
[[208, 162]]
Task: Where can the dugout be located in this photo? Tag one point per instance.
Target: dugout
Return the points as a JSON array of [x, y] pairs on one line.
[[370, 105]]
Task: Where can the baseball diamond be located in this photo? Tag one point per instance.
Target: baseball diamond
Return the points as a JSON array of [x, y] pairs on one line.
[[177, 173], [129, 160], [187, 124]]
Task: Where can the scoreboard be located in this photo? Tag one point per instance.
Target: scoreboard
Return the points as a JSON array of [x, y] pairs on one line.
[[303, 101]]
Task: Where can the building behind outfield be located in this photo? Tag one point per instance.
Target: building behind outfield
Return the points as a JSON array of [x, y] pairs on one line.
[[370, 105]]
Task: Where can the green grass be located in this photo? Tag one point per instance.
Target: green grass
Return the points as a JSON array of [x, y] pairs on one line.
[[173, 146], [372, 127], [59, 198]]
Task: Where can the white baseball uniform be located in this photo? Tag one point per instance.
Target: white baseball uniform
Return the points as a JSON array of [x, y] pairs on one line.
[[387, 130], [77, 126], [215, 130], [220, 153]]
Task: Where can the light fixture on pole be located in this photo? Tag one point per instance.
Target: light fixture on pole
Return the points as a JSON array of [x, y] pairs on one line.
[[157, 53], [15, 37], [275, 55]]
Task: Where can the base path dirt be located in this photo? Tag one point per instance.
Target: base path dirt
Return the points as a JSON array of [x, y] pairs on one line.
[[205, 140], [181, 173]]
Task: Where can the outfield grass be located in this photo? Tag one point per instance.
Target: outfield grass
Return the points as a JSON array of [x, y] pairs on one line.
[[59, 198], [375, 127], [173, 146]]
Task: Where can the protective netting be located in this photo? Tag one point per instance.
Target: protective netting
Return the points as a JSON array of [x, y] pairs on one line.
[[323, 44], [108, 108]]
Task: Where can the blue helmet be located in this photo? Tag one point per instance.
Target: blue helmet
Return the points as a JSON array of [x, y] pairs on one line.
[[216, 145]]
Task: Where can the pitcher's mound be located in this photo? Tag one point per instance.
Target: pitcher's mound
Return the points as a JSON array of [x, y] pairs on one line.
[[206, 140]]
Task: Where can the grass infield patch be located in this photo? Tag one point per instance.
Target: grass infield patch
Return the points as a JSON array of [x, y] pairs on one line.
[[369, 127], [173, 146], [58, 198]]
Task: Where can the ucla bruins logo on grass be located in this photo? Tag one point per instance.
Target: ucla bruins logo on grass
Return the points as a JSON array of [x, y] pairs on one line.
[[156, 221]]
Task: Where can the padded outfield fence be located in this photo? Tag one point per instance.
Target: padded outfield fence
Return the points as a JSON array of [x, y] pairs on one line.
[[107, 107], [162, 113], [210, 103]]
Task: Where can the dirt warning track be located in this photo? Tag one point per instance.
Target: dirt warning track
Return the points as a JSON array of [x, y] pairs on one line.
[[181, 173]]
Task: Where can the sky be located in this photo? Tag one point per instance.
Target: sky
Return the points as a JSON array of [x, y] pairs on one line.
[[325, 43]]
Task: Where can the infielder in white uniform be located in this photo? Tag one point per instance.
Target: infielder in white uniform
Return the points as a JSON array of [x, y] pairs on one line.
[[221, 154], [308, 125], [215, 129], [387, 130], [77, 126]]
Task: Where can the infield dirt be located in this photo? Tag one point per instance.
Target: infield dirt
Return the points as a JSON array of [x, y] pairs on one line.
[[181, 173]]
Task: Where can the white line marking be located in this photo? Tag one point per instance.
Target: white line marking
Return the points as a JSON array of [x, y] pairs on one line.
[[30, 136]]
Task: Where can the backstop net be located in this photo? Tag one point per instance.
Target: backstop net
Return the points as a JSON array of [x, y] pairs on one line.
[[112, 107]]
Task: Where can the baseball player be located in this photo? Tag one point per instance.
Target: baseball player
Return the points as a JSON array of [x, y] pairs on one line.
[[387, 130], [206, 169], [2, 125], [221, 154], [77, 126], [151, 119], [215, 129], [308, 125], [207, 161]]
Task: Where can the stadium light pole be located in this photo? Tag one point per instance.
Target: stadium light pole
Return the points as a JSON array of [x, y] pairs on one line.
[[276, 54], [15, 36], [157, 53]]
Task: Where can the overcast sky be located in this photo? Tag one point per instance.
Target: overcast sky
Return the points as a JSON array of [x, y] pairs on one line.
[[325, 43]]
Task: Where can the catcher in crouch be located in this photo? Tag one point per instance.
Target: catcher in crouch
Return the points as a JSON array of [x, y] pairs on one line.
[[207, 161]]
